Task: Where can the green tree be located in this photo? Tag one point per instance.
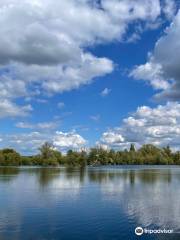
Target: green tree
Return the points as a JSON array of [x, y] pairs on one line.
[[48, 155], [46, 150], [11, 157], [132, 148], [167, 150]]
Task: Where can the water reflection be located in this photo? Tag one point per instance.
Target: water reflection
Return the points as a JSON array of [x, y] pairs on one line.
[[46, 175], [8, 174], [147, 176], [145, 196], [151, 197]]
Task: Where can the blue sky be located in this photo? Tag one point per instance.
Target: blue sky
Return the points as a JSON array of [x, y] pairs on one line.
[[95, 74]]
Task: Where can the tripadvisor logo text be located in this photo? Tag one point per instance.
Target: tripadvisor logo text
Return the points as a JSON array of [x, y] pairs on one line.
[[139, 231]]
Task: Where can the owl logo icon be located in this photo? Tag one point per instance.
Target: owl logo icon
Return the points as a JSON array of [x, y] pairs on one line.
[[139, 231]]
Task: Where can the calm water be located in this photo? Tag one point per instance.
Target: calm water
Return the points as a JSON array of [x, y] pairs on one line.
[[102, 203]]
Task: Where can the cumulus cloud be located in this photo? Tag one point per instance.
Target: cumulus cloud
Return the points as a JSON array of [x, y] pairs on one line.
[[152, 73], [68, 140], [28, 143], [9, 109], [43, 34], [128, 10], [159, 126], [43, 44], [58, 78], [162, 69], [10, 88], [169, 8], [112, 137]]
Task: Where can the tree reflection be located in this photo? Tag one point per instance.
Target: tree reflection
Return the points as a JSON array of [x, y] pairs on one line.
[[99, 175], [145, 176], [8, 174], [152, 176], [47, 175]]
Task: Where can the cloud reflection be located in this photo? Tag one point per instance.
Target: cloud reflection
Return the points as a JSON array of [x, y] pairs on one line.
[[149, 196]]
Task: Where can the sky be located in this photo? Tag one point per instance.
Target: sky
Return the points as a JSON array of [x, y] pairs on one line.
[[85, 73]]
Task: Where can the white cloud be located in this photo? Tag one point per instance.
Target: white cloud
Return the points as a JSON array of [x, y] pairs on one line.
[[112, 137], [58, 78], [129, 10], [28, 143], [95, 118], [9, 109], [42, 125], [162, 69], [169, 8], [43, 34], [68, 140], [105, 92], [24, 125], [159, 126], [11, 88], [152, 73], [43, 44]]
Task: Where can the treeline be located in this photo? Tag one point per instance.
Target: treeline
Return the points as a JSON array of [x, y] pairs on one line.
[[147, 154]]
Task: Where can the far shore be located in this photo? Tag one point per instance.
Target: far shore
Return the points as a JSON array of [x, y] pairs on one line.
[[147, 155]]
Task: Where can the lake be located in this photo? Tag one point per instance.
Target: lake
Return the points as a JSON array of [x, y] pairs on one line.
[[96, 203]]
